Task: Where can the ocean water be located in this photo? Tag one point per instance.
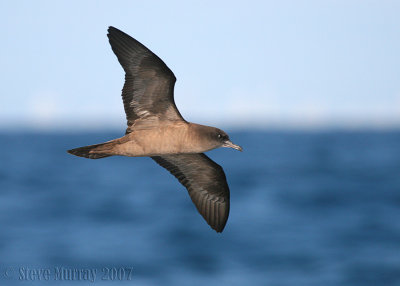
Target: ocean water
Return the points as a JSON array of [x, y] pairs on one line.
[[307, 208]]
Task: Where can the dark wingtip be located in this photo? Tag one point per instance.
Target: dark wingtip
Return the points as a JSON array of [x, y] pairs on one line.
[[219, 224], [111, 29], [115, 31], [219, 228]]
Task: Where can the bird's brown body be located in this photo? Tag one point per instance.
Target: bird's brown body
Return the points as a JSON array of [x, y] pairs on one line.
[[164, 139], [157, 129]]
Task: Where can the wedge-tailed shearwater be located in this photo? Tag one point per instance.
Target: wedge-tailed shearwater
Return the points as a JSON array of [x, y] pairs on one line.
[[157, 129]]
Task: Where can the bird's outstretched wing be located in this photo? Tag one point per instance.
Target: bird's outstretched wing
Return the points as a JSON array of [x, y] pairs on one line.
[[148, 91], [206, 183]]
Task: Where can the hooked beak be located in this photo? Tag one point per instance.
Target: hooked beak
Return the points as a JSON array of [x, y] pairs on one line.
[[229, 144]]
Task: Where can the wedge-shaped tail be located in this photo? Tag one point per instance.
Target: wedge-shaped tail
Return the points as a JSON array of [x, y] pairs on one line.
[[96, 151]]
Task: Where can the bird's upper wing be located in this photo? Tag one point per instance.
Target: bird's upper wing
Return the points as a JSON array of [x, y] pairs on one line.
[[206, 183], [149, 84]]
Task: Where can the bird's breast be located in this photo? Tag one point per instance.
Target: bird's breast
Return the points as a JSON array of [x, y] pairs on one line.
[[165, 139]]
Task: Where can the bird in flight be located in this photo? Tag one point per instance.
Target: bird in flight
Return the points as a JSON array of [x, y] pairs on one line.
[[156, 129]]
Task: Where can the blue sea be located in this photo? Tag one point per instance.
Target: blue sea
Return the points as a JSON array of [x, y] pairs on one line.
[[307, 208]]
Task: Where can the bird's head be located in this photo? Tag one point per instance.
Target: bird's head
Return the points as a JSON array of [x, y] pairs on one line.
[[221, 139], [208, 138]]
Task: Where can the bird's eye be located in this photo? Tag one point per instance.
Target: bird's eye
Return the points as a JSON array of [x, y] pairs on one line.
[[222, 137]]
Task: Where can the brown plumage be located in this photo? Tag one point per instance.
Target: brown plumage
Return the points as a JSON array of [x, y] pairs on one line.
[[157, 129]]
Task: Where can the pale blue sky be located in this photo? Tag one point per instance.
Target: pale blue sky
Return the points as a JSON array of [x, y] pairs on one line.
[[277, 63]]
